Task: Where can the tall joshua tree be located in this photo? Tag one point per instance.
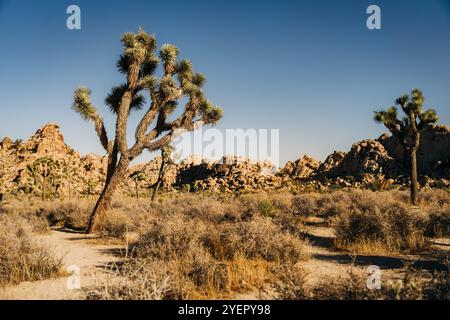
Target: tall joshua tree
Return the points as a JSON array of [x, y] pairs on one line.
[[408, 129], [138, 63]]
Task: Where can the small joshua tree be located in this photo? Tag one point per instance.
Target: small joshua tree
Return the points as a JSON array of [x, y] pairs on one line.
[[138, 63], [166, 160], [136, 177], [42, 170], [408, 129]]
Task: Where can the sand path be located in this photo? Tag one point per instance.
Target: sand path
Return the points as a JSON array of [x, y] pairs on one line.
[[78, 252]]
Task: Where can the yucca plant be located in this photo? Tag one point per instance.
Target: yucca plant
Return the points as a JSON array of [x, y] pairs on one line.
[[407, 130], [138, 64]]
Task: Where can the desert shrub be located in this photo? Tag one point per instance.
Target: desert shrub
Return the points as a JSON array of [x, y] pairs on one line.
[[76, 215], [69, 214], [21, 258], [144, 280], [395, 226], [38, 224], [115, 224], [257, 238], [290, 285], [32, 216], [282, 202], [169, 238], [438, 222], [321, 205], [305, 204]]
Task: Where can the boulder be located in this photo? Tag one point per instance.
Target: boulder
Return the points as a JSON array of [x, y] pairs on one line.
[[301, 168]]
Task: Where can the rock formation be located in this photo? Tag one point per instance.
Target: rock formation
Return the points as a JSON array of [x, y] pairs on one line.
[[230, 174], [302, 168], [433, 156], [369, 162]]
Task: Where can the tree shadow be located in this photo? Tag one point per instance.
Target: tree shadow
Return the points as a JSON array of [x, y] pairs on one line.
[[318, 241], [71, 231], [384, 262]]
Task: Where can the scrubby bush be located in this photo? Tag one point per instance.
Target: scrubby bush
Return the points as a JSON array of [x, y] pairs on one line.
[[169, 238], [291, 285], [257, 238], [21, 258], [115, 224], [438, 222], [394, 228]]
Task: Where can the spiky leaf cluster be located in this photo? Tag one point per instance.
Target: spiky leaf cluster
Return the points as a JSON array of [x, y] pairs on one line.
[[82, 104], [412, 106], [114, 98], [139, 62]]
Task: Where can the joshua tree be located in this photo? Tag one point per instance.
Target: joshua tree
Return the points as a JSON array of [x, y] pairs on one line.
[[138, 63], [166, 159], [408, 129], [137, 176], [43, 171]]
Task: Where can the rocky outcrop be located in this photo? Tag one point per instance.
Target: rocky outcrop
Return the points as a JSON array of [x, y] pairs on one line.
[[368, 157], [71, 174], [300, 169], [230, 174], [6, 144], [433, 156], [379, 162], [331, 162]]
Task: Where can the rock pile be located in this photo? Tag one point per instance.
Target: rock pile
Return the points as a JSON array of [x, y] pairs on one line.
[[304, 167], [229, 175], [379, 162], [71, 174], [366, 159]]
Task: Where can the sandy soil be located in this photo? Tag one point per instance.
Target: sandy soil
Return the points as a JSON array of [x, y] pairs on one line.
[[93, 260]]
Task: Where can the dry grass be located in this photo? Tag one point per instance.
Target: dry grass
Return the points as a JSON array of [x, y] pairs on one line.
[[204, 246], [391, 228], [21, 259], [290, 285], [212, 249]]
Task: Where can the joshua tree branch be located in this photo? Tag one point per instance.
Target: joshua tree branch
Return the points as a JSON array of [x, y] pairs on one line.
[[101, 132]]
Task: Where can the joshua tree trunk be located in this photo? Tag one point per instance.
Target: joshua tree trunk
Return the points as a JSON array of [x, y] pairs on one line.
[[137, 189], [104, 201], [43, 187], [414, 183], [413, 158], [159, 181]]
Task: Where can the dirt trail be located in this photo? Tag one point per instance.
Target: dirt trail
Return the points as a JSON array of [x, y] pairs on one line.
[[74, 249]]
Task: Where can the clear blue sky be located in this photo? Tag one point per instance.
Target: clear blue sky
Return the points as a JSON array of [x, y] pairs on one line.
[[310, 68]]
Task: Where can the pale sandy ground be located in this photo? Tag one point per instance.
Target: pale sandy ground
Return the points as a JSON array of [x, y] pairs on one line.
[[96, 262]]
